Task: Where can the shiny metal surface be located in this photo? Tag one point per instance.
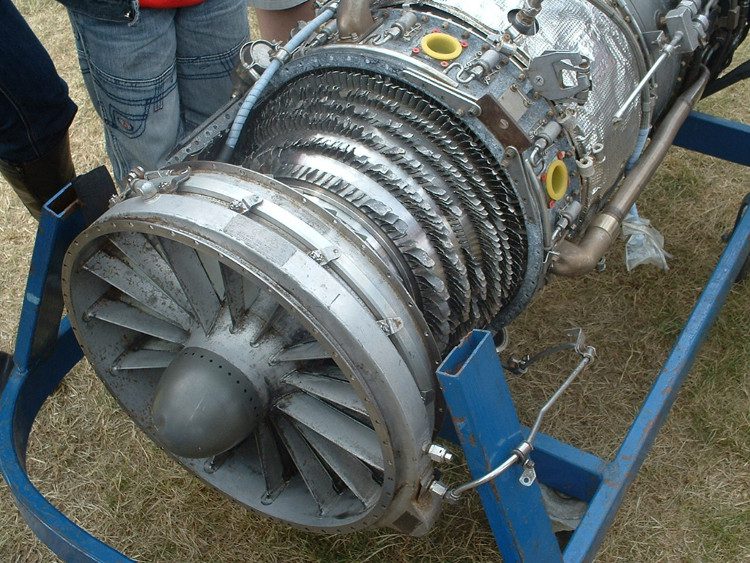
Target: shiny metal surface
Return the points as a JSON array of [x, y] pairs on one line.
[[419, 191], [305, 371]]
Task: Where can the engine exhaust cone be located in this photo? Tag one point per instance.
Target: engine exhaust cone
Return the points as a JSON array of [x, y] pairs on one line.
[[203, 406]]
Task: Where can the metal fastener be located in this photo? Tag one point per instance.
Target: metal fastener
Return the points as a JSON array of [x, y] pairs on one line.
[[439, 454]]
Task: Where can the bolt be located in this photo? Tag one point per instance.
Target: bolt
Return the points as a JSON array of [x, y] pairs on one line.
[[601, 265], [503, 124], [438, 488], [439, 454], [538, 80], [146, 189]]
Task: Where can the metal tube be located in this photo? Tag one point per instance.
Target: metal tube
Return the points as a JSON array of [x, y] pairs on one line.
[[573, 259], [455, 494], [588, 356], [667, 52], [521, 453]]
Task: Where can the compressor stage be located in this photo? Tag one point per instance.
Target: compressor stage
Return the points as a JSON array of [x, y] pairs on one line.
[[271, 306]]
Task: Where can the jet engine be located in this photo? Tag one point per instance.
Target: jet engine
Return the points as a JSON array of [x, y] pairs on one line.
[[270, 307]]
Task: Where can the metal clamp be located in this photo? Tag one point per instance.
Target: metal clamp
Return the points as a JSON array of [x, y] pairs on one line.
[[148, 185], [551, 74]]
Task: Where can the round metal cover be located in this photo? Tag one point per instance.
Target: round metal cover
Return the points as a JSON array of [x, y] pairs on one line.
[[310, 325]]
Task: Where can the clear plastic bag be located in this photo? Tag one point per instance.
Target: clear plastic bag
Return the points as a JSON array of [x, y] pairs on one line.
[[645, 244]]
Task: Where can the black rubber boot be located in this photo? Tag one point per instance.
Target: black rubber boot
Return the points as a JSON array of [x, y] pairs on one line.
[[6, 366], [37, 181]]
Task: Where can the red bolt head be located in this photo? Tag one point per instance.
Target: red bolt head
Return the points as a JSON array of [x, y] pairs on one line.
[[552, 203], [444, 64], [561, 155], [464, 43], [436, 30], [416, 50], [543, 177]]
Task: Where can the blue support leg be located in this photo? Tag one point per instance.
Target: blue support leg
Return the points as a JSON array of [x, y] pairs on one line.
[[46, 350], [487, 425]]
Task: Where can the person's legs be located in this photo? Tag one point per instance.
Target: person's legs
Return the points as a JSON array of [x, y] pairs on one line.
[[275, 24], [35, 113], [130, 74], [209, 37]]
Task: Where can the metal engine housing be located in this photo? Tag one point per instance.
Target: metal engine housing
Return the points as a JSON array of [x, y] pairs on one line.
[[413, 171]]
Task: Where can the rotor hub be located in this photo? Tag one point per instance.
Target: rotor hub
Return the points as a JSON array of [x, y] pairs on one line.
[[204, 406]]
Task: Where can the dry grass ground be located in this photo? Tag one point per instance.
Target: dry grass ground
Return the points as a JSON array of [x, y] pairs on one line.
[[691, 501]]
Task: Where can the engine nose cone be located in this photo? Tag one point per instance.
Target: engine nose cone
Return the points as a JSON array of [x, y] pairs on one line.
[[203, 405]]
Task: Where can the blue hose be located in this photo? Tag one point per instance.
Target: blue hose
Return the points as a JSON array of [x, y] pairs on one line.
[[640, 144], [257, 90]]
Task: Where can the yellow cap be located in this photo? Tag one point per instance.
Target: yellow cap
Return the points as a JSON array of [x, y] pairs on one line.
[[557, 180], [441, 46]]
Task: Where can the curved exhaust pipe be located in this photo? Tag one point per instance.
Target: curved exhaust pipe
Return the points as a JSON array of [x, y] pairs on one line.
[[578, 258]]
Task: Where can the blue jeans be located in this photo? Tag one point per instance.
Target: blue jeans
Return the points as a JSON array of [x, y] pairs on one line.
[[35, 110], [155, 80]]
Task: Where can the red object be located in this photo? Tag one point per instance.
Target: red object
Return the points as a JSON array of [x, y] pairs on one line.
[[464, 43], [561, 155], [167, 4], [416, 50]]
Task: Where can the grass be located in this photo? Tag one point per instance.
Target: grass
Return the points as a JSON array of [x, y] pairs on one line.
[[691, 501]]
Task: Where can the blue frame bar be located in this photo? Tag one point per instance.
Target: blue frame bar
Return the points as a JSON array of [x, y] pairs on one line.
[[60, 222], [46, 350], [715, 136], [622, 471], [485, 420]]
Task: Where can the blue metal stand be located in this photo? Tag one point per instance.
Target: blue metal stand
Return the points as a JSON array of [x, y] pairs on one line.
[[46, 350], [471, 376], [482, 411]]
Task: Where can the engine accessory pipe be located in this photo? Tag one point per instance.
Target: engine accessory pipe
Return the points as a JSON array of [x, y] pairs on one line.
[[666, 53], [575, 259], [265, 79], [522, 452], [638, 151], [525, 19]]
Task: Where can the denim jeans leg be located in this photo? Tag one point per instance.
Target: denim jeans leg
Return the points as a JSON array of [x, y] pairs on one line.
[[131, 77], [209, 37]]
